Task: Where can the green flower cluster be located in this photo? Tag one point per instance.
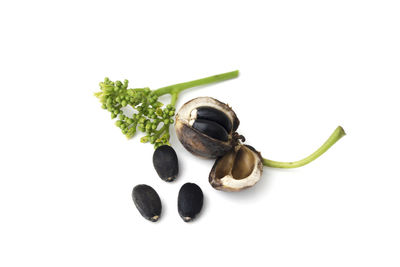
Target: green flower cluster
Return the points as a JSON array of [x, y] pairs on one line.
[[149, 117]]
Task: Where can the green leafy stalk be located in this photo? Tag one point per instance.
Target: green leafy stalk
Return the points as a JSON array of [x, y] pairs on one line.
[[149, 116], [335, 136]]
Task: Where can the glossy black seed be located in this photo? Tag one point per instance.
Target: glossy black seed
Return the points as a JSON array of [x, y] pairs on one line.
[[165, 162], [190, 201], [215, 115], [211, 129], [147, 202]]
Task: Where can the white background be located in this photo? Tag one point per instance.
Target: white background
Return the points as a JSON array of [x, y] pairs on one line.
[[66, 172]]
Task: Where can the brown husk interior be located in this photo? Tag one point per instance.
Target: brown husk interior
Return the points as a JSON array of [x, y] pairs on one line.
[[239, 163]]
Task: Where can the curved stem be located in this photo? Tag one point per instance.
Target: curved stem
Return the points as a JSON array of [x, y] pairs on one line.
[[175, 89], [335, 136]]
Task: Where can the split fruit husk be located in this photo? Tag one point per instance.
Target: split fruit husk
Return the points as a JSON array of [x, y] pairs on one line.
[[238, 169]]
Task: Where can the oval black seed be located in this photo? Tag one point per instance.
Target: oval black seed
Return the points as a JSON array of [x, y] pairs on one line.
[[211, 129], [147, 202], [190, 201], [212, 114], [165, 162]]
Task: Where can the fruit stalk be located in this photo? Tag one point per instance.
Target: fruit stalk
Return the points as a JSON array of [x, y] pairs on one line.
[[335, 136]]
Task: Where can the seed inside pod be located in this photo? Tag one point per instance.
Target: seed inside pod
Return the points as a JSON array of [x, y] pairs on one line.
[[240, 168], [190, 201], [206, 127], [212, 114], [147, 202], [211, 128], [165, 162]]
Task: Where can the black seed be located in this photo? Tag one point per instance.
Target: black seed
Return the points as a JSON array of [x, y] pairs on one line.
[[190, 201], [211, 129], [165, 162], [215, 115], [147, 202]]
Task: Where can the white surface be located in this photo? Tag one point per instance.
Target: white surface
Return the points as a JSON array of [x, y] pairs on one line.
[[67, 172]]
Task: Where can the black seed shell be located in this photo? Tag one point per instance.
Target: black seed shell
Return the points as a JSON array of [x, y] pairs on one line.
[[165, 162], [212, 114], [211, 129], [147, 202], [190, 201]]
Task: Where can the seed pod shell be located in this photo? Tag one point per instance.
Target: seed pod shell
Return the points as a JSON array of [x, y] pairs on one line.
[[240, 168], [147, 202], [196, 141]]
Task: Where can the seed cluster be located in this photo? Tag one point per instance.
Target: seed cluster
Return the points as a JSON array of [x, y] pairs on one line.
[[211, 122], [146, 199], [149, 117], [148, 202], [214, 115]]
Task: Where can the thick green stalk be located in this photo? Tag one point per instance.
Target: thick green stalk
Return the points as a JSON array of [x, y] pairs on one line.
[[175, 89], [335, 136]]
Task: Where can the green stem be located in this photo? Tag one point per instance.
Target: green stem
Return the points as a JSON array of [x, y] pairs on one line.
[[335, 136], [175, 89], [162, 129], [174, 97]]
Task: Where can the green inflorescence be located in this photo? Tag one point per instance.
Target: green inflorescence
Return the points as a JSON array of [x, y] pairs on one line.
[[149, 116]]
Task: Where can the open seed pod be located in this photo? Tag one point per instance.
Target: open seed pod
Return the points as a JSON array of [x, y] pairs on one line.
[[238, 169], [206, 127]]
